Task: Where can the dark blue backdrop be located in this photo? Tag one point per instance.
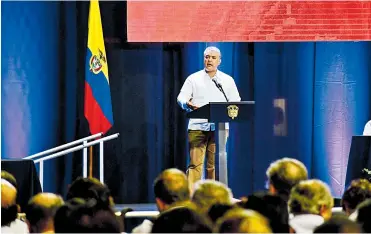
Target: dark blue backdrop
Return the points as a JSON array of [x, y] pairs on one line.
[[38, 82], [310, 99]]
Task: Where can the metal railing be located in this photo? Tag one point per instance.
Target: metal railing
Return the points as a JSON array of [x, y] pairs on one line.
[[64, 146], [83, 147], [139, 214], [130, 214]]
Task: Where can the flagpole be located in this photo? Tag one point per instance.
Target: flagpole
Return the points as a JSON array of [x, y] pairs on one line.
[[97, 99], [91, 162]]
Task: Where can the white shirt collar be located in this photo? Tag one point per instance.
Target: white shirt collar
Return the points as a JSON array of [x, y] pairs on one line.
[[217, 74], [305, 223]]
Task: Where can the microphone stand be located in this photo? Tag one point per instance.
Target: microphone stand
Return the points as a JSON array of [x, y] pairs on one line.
[[219, 86], [222, 137]]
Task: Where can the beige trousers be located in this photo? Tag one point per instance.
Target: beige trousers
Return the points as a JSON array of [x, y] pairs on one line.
[[201, 143]]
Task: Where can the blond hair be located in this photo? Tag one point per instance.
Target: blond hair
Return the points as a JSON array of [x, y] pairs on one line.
[[309, 196], [239, 220]]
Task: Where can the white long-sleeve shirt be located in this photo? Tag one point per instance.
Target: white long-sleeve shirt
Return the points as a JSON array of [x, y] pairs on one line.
[[367, 130], [201, 89]]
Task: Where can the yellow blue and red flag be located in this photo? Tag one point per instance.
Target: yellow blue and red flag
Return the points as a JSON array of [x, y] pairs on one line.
[[97, 103]]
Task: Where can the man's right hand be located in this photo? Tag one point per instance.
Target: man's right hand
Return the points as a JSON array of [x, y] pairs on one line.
[[190, 105]]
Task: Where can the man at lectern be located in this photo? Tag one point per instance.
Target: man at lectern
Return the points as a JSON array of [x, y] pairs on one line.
[[200, 88], [367, 130]]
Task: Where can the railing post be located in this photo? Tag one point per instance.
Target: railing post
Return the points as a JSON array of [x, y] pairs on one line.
[[85, 161], [101, 165], [41, 175]]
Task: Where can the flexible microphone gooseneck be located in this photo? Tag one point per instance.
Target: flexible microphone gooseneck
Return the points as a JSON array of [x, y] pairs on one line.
[[219, 86]]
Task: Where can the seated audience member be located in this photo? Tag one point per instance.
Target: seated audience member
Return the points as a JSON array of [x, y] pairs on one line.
[[86, 216], [209, 192], [339, 223], [310, 203], [40, 212], [9, 210], [367, 129], [13, 181], [240, 220], [273, 207], [284, 174], [63, 215], [91, 188], [364, 215], [10, 178], [171, 189], [181, 220], [358, 191], [216, 211]]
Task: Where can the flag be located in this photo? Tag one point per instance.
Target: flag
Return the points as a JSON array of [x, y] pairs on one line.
[[97, 103]]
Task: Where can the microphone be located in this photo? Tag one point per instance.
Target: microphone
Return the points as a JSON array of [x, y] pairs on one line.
[[219, 86]]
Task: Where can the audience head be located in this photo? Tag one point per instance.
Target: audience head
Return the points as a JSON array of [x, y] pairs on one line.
[[339, 223], [9, 208], [311, 197], [181, 220], [40, 212], [86, 216], [91, 188], [217, 211], [62, 217], [273, 207], [170, 187], [284, 174], [210, 192], [364, 214], [358, 191], [10, 178], [240, 220]]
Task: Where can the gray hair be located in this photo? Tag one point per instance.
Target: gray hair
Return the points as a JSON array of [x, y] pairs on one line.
[[212, 48]]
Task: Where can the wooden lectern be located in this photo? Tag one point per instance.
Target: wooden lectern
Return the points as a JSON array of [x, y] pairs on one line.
[[221, 113]]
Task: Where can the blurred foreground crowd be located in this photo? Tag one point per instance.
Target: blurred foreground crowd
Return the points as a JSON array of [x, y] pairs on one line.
[[292, 203]]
